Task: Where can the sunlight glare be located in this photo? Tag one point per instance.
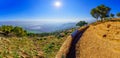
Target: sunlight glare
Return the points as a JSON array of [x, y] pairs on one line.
[[57, 3]]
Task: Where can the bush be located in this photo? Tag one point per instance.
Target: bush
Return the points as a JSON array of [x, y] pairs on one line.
[[18, 31], [118, 14], [81, 23], [48, 48], [6, 29], [9, 30], [31, 34]]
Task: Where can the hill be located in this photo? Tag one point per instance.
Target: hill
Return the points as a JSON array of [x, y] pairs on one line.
[[44, 45], [100, 40]]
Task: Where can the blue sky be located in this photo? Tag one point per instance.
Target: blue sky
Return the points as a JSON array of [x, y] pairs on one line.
[[70, 10]]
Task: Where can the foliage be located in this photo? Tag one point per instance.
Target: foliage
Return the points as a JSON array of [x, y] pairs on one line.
[[81, 23], [118, 14], [49, 48], [9, 30], [6, 29], [37, 45], [101, 11], [19, 31], [44, 34], [112, 15], [95, 13], [31, 34]]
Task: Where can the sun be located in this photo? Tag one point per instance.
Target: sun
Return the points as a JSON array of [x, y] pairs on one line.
[[57, 4]]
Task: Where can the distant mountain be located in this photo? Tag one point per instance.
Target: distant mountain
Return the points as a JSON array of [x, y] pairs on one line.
[[66, 26], [39, 27], [50, 27]]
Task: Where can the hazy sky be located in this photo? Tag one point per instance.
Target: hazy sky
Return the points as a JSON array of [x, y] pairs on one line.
[[52, 9]]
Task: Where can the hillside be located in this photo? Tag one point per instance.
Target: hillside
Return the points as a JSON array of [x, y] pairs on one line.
[[103, 41], [100, 40], [37, 46], [97, 40]]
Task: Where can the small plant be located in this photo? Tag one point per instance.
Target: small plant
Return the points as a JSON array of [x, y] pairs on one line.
[[63, 56], [15, 55]]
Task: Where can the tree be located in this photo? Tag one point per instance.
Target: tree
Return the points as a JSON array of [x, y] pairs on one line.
[[101, 11], [118, 14], [81, 23], [19, 31], [32, 34], [9, 30], [95, 13], [112, 15], [6, 29], [0, 29]]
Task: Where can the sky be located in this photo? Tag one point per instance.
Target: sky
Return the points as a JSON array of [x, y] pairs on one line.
[[52, 10]]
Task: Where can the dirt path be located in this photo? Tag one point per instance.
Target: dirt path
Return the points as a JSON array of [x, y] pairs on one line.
[[75, 38]]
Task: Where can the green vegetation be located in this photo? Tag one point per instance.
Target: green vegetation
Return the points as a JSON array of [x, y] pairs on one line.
[[18, 43], [15, 42], [7, 30], [81, 23], [112, 15], [118, 14], [101, 12]]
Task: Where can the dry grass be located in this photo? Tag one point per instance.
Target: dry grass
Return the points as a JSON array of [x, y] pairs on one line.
[[101, 41], [34, 47], [64, 48], [29, 47], [18, 47]]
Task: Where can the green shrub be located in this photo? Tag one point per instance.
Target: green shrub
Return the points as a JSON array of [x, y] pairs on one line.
[[9, 30], [81, 23], [118, 14]]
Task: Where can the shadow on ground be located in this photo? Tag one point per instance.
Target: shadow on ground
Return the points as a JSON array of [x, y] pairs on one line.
[[76, 35]]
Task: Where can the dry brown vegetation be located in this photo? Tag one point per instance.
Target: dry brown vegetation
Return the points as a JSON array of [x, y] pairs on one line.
[[32, 47], [103, 41], [100, 40]]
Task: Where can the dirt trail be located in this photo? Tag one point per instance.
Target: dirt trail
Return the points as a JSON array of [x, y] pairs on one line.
[[98, 40], [75, 38], [68, 49]]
